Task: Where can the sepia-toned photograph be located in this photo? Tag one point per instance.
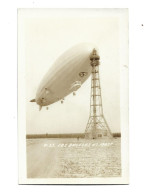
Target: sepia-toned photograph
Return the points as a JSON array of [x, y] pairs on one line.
[[73, 96]]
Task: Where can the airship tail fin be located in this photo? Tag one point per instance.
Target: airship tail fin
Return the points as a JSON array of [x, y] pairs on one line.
[[33, 100]]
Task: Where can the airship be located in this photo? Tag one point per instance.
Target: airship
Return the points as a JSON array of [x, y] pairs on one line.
[[66, 75]]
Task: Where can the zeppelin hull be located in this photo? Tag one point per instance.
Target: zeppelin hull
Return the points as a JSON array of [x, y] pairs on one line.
[[66, 75]]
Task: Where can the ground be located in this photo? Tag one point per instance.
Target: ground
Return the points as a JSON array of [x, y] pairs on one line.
[[68, 158]]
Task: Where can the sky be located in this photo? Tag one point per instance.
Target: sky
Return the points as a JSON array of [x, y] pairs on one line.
[[49, 32]]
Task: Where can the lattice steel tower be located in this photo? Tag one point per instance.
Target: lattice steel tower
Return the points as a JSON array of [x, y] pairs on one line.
[[97, 126]]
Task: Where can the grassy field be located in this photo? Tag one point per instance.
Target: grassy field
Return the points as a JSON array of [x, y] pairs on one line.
[[70, 157]]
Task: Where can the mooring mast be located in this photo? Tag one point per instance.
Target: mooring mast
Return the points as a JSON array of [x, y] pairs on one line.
[[97, 126]]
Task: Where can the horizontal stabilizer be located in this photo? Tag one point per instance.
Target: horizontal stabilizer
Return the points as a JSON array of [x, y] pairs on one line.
[[33, 100]]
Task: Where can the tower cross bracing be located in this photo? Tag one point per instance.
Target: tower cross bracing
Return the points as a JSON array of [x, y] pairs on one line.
[[97, 126]]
